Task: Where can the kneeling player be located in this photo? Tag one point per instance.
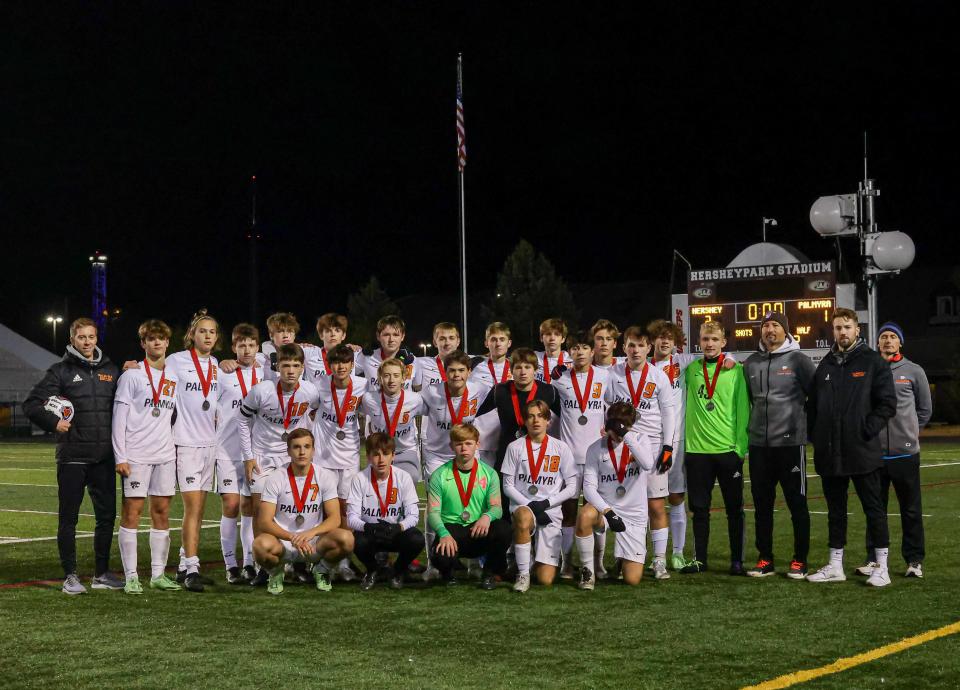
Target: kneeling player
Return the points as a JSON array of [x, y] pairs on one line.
[[615, 488], [383, 513], [539, 474], [299, 517]]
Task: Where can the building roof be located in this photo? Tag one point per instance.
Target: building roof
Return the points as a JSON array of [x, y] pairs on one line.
[[22, 365], [765, 253]]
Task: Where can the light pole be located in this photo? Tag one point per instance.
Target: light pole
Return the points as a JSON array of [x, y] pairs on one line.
[[424, 346], [53, 321]]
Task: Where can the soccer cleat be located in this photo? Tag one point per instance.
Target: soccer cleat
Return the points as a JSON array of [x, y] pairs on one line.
[[693, 567], [659, 567], [677, 561], [914, 570], [488, 582], [797, 571], [345, 573], [107, 581], [322, 578], [416, 567], [235, 576], [203, 579], [587, 579], [133, 586], [599, 571], [192, 582], [260, 579], [396, 582], [181, 576], [301, 574], [164, 583], [474, 569], [368, 581], [736, 568], [867, 568], [566, 570], [763, 568], [72, 585], [249, 572], [275, 582], [523, 582], [880, 577], [828, 573], [430, 573]]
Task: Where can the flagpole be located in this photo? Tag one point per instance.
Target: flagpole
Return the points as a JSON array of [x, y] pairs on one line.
[[462, 208]]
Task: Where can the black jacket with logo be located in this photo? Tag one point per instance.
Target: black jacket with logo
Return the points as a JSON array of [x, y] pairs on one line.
[[90, 386], [849, 404]]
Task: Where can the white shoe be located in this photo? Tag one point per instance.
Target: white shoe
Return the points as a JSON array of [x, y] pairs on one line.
[[430, 573], [915, 570], [523, 582], [659, 568], [566, 569], [828, 573], [599, 572], [880, 577], [867, 568], [587, 579]]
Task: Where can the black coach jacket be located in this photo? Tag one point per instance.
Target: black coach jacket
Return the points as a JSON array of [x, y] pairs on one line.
[[90, 386], [849, 404]]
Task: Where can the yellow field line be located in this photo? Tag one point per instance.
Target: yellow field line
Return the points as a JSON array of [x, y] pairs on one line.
[[845, 663]]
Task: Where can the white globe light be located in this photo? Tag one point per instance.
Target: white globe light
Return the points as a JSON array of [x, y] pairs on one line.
[[829, 217], [893, 251]]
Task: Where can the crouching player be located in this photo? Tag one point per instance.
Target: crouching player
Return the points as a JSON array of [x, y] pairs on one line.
[[615, 490], [539, 474], [299, 517], [383, 513]]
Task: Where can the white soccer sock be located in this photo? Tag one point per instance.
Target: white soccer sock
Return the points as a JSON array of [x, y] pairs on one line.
[[159, 551], [127, 539], [882, 557], [183, 559], [566, 542], [246, 539], [659, 538], [193, 564], [599, 545], [228, 540], [585, 550], [522, 553], [678, 527], [836, 557], [344, 563]]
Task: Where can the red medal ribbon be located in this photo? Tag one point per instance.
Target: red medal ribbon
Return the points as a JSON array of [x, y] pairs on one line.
[[384, 505], [670, 372], [323, 355], [516, 401], [299, 500], [156, 391], [535, 469], [546, 365], [465, 495], [441, 370], [493, 374], [204, 383], [711, 384], [582, 398], [464, 405], [391, 423], [635, 393], [341, 411], [621, 469], [286, 418], [253, 379]]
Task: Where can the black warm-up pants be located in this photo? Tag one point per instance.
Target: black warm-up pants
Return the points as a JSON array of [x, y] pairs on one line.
[[786, 466], [904, 474], [493, 547], [407, 545], [703, 471], [100, 481], [868, 488]]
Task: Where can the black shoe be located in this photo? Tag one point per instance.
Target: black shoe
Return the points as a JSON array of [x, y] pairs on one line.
[[249, 572], [488, 582], [181, 576], [396, 582], [368, 581], [204, 580], [260, 579], [235, 576], [301, 574], [693, 566], [451, 580], [736, 568], [192, 582]]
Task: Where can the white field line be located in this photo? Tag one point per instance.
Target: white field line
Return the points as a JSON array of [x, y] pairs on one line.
[[53, 512], [90, 534]]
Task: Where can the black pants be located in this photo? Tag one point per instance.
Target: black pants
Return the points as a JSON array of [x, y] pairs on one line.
[[100, 480], [407, 545], [868, 490], [904, 474], [493, 547], [703, 470], [786, 466]]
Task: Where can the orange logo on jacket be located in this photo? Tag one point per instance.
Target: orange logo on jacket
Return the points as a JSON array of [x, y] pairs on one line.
[[858, 374], [106, 377]]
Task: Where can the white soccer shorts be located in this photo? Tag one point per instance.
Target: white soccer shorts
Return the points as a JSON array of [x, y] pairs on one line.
[[150, 480], [657, 484], [267, 465], [195, 468], [231, 479], [291, 554], [547, 539], [631, 544], [344, 479], [677, 473], [409, 462]]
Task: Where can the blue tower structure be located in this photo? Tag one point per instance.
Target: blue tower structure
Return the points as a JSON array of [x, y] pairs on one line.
[[98, 288]]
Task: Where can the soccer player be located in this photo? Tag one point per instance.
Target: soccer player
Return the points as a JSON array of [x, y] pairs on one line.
[[430, 371], [779, 376], [231, 474], [393, 410], [145, 456], [332, 329], [463, 509], [495, 368], [850, 405], [553, 333], [615, 490], [391, 330], [283, 328], [539, 474], [383, 512], [299, 517], [604, 334], [717, 414]]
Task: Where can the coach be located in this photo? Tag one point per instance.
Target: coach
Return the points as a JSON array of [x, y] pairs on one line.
[[88, 379], [850, 402]]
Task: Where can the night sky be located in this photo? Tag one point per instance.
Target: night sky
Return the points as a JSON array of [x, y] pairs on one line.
[[605, 137]]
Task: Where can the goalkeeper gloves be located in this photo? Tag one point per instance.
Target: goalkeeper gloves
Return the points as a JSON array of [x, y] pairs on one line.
[[615, 521], [665, 459]]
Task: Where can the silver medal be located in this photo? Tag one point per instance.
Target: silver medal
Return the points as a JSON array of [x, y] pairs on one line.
[[156, 412], [465, 516], [532, 490], [621, 490], [284, 436], [300, 520], [582, 420], [519, 433], [205, 406], [710, 406], [341, 435]]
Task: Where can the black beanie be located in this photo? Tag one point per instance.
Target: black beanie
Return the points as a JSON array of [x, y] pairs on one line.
[[778, 317]]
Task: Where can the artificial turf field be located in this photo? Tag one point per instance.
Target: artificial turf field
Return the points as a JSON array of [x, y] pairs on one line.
[[703, 631]]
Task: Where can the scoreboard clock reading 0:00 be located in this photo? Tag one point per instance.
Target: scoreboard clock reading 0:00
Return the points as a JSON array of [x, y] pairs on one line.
[[739, 297]]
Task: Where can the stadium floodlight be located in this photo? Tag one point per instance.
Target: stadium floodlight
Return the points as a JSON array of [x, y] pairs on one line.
[[891, 251], [835, 216], [53, 321], [424, 346]]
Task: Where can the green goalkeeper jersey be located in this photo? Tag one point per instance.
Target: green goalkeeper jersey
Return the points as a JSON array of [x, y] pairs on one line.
[[723, 428], [444, 505]]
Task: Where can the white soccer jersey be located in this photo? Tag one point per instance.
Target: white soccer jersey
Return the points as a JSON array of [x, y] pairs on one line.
[[556, 481], [233, 389], [139, 436], [331, 451], [429, 371], [277, 490], [592, 389], [601, 482], [491, 374], [402, 501], [543, 372], [405, 434], [613, 362], [656, 406], [316, 369], [261, 435], [370, 365], [195, 427], [437, 421]]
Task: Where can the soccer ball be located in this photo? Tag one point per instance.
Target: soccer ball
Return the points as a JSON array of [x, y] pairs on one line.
[[60, 406]]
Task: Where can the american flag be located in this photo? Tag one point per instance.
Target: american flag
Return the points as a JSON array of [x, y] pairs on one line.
[[461, 132]]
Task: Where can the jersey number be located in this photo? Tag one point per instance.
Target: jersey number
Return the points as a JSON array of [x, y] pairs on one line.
[[597, 390]]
